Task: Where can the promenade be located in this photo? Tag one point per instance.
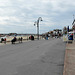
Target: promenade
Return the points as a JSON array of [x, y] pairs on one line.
[[39, 57], [69, 63]]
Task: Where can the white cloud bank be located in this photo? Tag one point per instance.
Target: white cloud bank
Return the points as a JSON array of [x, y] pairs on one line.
[[19, 15]]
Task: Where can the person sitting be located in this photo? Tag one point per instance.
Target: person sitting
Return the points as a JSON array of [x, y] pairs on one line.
[[32, 37], [14, 40], [2, 40]]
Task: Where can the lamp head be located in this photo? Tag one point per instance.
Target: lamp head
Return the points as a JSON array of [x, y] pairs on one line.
[[41, 20], [34, 24]]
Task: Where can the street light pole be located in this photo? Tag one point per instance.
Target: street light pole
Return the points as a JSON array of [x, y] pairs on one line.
[[37, 22]]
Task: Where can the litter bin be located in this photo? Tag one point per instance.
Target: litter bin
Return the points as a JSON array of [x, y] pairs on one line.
[[70, 37]]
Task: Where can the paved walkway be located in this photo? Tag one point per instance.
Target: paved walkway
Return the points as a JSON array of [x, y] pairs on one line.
[[39, 57], [69, 63]]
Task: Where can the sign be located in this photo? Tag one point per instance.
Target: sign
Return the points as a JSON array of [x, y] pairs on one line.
[[74, 35]]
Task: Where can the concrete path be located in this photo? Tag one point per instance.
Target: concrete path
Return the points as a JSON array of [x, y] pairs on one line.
[[69, 63], [44, 57]]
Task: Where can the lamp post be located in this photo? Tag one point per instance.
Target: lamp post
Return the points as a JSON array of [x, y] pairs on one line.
[[37, 23]]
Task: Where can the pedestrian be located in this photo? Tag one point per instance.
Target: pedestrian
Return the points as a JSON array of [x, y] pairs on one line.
[[5, 40], [21, 39]]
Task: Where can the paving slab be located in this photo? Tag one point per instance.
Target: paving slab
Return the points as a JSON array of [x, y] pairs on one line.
[[69, 63], [39, 57]]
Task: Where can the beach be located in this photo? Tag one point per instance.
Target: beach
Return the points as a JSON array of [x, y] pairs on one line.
[[25, 37]]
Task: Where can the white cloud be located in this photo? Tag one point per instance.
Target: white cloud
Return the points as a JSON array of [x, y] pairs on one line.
[[25, 12]]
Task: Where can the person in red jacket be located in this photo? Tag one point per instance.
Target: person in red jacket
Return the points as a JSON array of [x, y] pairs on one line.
[[5, 40]]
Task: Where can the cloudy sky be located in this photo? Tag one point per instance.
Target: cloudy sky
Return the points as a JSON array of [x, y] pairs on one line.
[[19, 15]]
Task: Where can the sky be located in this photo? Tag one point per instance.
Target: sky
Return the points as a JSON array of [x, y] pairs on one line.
[[19, 16]]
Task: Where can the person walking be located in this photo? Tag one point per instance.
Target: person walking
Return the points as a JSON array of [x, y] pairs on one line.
[[21, 39], [5, 40]]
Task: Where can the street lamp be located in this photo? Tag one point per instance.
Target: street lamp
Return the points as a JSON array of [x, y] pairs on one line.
[[37, 23]]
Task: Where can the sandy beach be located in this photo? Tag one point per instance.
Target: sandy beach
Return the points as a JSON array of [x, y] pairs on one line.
[[9, 38]]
